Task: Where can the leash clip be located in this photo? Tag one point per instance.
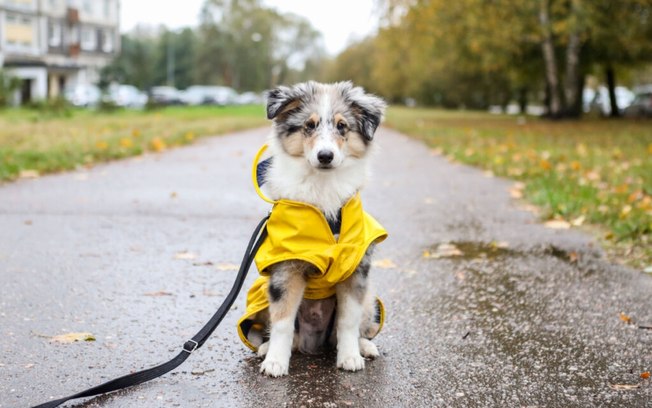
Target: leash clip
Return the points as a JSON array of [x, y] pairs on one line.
[[190, 346]]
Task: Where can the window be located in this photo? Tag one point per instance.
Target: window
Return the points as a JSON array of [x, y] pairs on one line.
[[88, 39], [88, 7], [54, 34], [107, 9], [107, 41], [19, 30]]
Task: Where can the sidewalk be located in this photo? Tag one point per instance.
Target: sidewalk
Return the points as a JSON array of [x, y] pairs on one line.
[[140, 253]]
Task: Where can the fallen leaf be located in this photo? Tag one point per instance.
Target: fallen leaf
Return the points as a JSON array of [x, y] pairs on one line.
[[158, 293], [73, 337], [102, 145], [573, 257], [557, 224], [499, 244], [645, 375], [126, 142], [202, 372], [444, 251], [31, 365], [185, 255], [157, 144], [226, 267], [625, 318], [384, 263], [578, 221], [624, 387], [28, 174], [173, 194]]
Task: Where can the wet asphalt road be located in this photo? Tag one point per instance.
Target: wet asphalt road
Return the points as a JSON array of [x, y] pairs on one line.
[[524, 326]]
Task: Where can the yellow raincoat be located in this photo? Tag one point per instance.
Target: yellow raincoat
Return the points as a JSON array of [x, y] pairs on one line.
[[299, 231]]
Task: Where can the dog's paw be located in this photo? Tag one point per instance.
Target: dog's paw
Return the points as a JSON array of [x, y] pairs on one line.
[[274, 368], [262, 349], [352, 362], [368, 348]]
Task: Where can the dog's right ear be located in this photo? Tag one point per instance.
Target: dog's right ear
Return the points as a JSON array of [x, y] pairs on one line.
[[280, 100]]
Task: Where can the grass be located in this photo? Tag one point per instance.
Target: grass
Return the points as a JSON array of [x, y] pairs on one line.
[[33, 142], [594, 171]]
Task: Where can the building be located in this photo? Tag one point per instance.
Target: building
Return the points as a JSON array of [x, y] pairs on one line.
[[53, 44]]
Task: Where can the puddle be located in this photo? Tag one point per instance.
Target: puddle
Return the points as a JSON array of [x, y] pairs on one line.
[[466, 250]]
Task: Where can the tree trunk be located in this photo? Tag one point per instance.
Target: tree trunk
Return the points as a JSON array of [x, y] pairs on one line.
[[548, 48], [522, 100], [611, 85], [572, 78]]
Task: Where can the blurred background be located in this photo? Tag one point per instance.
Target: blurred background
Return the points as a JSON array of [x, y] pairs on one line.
[[561, 58], [554, 94]]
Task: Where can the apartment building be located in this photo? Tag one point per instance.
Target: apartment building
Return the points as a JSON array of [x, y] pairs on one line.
[[53, 44]]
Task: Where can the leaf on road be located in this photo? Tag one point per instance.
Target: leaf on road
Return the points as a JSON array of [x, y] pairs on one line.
[[225, 266], [28, 174], [645, 375], [158, 293], [625, 318], [557, 224], [578, 221], [443, 251], [73, 337], [624, 387], [384, 263], [185, 255]]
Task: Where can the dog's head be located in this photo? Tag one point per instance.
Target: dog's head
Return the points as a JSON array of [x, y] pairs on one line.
[[325, 123]]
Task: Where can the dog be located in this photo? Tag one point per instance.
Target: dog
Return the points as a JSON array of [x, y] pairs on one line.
[[321, 144]]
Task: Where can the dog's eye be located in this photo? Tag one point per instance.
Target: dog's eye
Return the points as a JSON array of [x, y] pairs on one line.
[[310, 125], [341, 127]]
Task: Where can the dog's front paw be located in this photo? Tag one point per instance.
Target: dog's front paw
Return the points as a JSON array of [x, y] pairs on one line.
[[351, 362], [262, 349], [274, 368], [368, 349]]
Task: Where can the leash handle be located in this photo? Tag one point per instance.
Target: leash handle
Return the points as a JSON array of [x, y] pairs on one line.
[[257, 238]]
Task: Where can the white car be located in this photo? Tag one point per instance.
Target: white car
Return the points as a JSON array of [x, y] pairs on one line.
[[598, 100], [126, 96], [83, 95], [208, 95]]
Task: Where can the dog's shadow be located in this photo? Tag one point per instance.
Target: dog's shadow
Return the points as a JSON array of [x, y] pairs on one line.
[[314, 379]]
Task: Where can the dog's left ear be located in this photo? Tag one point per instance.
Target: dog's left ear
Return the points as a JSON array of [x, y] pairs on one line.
[[284, 99], [369, 109]]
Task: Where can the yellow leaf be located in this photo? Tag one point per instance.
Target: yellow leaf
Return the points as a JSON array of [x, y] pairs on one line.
[[625, 318], [158, 293], [73, 337], [226, 267], [384, 263], [645, 375], [578, 221], [126, 142], [157, 144], [445, 251], [575, 165], [545, 164], [102, 145], [189, 136], [557, 224], [185, 255], [30, 174]]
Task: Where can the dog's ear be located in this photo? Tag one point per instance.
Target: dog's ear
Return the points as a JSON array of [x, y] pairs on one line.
[[368, 109], [285, 99]]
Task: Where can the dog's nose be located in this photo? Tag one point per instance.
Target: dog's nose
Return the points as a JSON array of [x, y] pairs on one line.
[[325, 156]]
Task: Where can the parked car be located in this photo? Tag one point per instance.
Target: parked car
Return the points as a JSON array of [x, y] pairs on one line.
[[249, 98], [126, 96], [83, 95], [165, 95], [208, 95], [642, 104], [598, 100]]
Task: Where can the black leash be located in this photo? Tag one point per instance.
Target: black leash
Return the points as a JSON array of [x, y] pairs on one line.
[[189, 346]]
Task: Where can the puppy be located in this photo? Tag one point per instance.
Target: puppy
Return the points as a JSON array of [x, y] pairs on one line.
[[321, 143]]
